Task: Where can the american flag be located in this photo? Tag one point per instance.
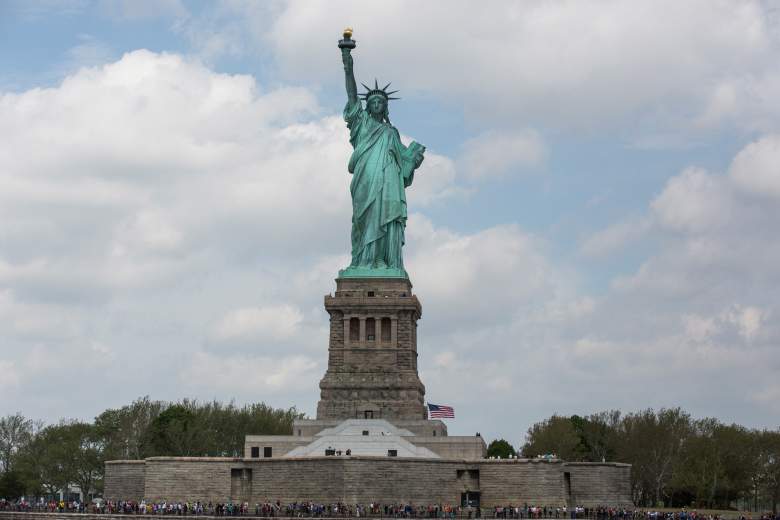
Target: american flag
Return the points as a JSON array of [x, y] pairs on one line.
[[440, 411]]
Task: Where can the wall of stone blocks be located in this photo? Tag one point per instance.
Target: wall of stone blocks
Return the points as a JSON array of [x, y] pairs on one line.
[[325, 479], [189, 478], [419, 427], [124, 479], [403, 481], [280, 444], [290, 480], [595, 484], [424, 427], [311, 427], [521, 481], [368, 479], [357, 480], [456, 447]]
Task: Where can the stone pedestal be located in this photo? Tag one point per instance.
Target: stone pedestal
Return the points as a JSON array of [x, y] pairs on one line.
[[372, 355]]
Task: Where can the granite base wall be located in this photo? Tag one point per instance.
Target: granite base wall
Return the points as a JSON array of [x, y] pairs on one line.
[[358, 480], [207, 479], [371, 479], [519, 481], [126, 478], [594, 484], [280, 444], [456, 447]]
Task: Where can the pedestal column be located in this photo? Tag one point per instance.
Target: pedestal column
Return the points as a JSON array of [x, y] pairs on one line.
[[374, 378]]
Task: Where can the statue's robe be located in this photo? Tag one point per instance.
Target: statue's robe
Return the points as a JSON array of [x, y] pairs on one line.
[[381, 167]]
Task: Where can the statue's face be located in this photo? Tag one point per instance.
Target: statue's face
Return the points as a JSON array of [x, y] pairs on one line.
[[376, 105]]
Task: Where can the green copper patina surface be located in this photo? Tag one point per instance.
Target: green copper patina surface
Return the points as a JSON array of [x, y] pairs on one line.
[[382, 168]]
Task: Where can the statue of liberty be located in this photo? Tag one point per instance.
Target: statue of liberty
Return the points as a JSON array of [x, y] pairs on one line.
[[381, 167]]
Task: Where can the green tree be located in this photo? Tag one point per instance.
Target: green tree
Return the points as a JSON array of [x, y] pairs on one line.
[[61, 455], [226, 426], [82, 456], [594, 438], [123, 429], [213, 428], [767, 477], [556, 435], [703, 470], [173, 433], [11, 485], [599, 436], [16, 431], [652, 442], [41, 462], [73, 452], [737, 450], [500, 448]]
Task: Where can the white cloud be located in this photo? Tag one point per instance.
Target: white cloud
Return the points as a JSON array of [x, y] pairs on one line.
[[756, 169], [497, 154], [273, 323], [10, 377], [248, 375], [748, 319], [446, 265], [149, 229], [746, 101], [151, 208], [434, 182], [614, 237], [694, 201], [592, 348], [445, 359], [196, 153], [700, 328], [572, 64], [701, 299]]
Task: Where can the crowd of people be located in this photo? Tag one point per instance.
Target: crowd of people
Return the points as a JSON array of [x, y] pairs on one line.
[[50, 506], [613, 513], [372, 510]]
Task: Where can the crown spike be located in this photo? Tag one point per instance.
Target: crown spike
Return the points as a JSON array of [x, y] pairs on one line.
[[391, 92], [385, 87], [365, 86], [376, 84]]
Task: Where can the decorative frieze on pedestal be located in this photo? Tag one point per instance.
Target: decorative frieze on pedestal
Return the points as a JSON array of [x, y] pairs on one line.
[[372, 355]]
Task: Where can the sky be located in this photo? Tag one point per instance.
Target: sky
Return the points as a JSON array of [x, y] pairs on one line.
[[595, 225]]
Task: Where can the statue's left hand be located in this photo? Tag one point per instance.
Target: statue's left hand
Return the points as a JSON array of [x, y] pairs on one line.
[[414, 153], [418, 158]]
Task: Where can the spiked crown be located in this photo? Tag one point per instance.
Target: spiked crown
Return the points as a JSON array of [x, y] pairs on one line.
[[376, 91]]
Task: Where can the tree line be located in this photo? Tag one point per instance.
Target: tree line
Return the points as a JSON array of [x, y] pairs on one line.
[[676, 460], [38, 459]]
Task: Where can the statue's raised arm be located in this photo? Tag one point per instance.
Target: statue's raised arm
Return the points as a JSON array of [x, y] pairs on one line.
[[382, 168], [346, 45]]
